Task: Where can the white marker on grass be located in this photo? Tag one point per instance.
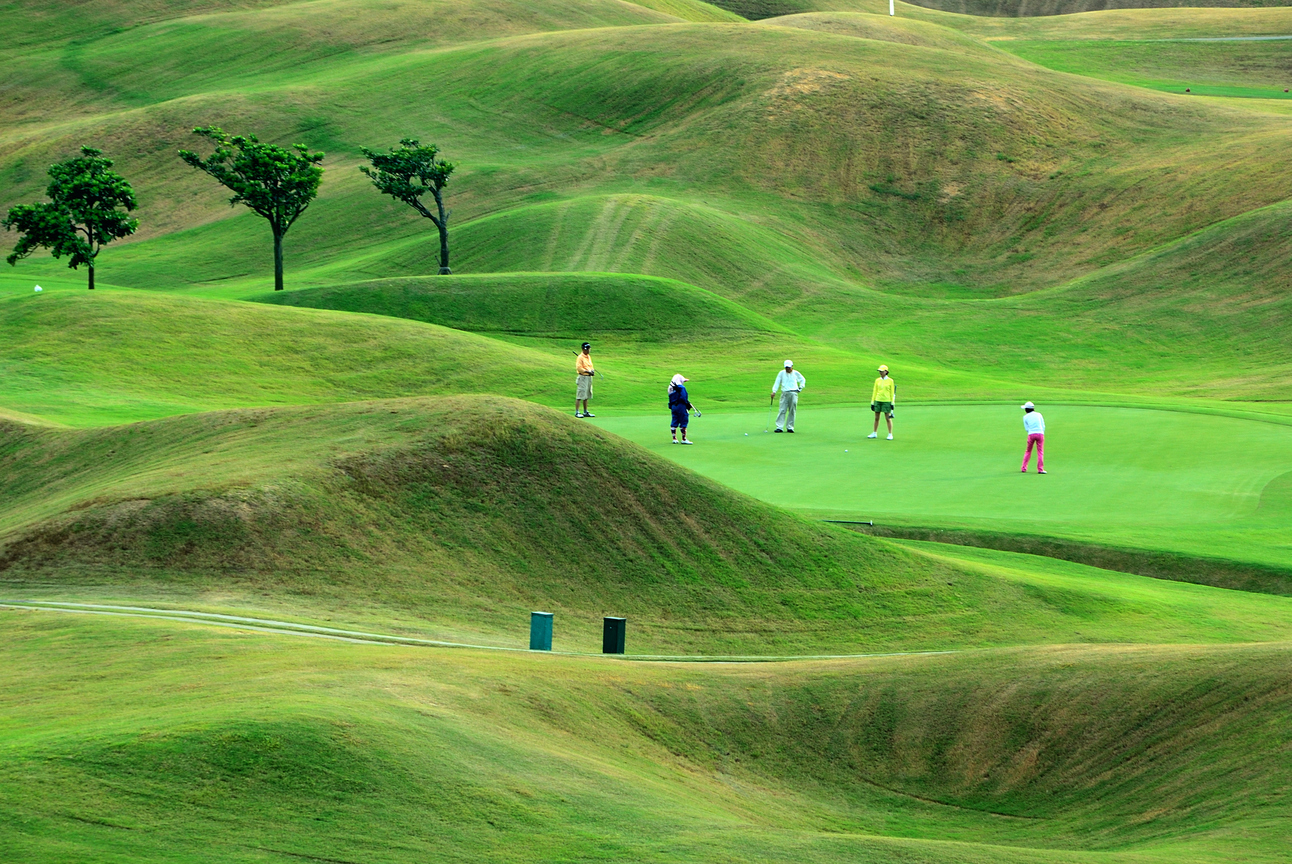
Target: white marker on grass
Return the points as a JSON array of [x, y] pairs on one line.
[[38, 289], [891, 10]]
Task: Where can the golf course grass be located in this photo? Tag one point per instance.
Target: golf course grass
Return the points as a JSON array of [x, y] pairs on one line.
[[268, 559], [141, 740], [1203, 485]]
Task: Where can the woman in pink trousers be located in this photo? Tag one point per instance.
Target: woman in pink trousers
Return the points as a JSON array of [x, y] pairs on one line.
[[1034, 425]]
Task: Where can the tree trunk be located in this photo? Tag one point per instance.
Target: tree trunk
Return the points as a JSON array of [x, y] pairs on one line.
[[444, 250], [278, 260], [443, 225], [91, 275]]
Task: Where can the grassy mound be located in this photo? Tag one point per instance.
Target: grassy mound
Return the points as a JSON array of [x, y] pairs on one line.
[[761, 9], [720, 251], [867, 25], [290, 25], [1187, 319], [1244, 69], [1019, 8], [565, 305], [142, 741], [111, 356], [466, 513]]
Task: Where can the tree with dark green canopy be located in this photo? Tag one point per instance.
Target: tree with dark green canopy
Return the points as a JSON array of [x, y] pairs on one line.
[[276, 182], [407, 173], [84, 212]]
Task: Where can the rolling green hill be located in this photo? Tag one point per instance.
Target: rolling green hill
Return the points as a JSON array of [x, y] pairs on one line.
[[552, 305], [144, 741], [1202, 316], [1007, 179], [1020, 8], [114, 356], [1001, 208], [462, 514], [762, 9]]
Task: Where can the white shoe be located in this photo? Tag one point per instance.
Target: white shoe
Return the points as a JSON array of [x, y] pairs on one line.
[[687, 441], [890, 436], [873, 435]]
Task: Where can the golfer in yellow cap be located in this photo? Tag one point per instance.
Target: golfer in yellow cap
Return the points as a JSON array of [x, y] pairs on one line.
[[883, 396]]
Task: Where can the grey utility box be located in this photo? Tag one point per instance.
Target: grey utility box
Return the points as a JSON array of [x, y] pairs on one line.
[[612, 635], [540, 631]]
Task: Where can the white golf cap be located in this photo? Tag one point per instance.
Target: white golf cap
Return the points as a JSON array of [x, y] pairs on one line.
[[1027, 405], [678, 379], [789, 363]]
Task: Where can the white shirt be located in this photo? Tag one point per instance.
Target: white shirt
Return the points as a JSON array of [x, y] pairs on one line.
[[789, 382], [1034, 423]]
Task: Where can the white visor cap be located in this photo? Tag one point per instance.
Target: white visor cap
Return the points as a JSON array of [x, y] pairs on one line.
[[789, 363], [1027, 405]]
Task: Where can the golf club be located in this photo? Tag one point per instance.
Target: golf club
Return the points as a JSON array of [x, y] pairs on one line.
[[771, 403]]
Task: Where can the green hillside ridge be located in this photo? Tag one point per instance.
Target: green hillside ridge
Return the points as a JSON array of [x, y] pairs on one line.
[[115, 356], [1002, 187], [868, 25], [462, 514], [1245, 69], [991, 9], [1145, 51], [1203, 316], [112, 356], [143, 740], [1118, 24], [136, 64], [569, 305], [1022, 8], [684, 240]]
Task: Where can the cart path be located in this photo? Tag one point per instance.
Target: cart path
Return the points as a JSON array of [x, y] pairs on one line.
[[292, 628]]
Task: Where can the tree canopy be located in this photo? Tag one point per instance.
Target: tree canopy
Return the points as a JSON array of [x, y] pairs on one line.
[[407, 173], [88, 208], [278, 183]]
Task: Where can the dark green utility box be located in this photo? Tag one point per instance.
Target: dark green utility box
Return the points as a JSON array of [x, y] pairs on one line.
[[540, 631], [612, 635]]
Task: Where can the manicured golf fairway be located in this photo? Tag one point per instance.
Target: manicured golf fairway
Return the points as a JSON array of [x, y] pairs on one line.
[[1172, 480]]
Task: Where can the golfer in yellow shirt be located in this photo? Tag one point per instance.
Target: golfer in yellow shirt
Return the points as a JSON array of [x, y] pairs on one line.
[[583, 381], [882, 399]]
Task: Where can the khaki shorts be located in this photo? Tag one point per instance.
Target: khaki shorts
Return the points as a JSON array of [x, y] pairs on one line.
[[583, 387]]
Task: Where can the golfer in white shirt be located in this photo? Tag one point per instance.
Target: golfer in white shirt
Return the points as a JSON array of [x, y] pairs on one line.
[[1034, 425], [790, 383]]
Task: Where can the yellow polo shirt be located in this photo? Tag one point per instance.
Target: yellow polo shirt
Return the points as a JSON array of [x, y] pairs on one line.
[[885, 390], [584, 364]]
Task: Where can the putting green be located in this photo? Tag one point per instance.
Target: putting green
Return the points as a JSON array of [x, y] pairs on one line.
[[1163, 480]]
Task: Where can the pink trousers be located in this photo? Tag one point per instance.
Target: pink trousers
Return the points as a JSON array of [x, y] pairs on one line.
[[1037, 440]]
